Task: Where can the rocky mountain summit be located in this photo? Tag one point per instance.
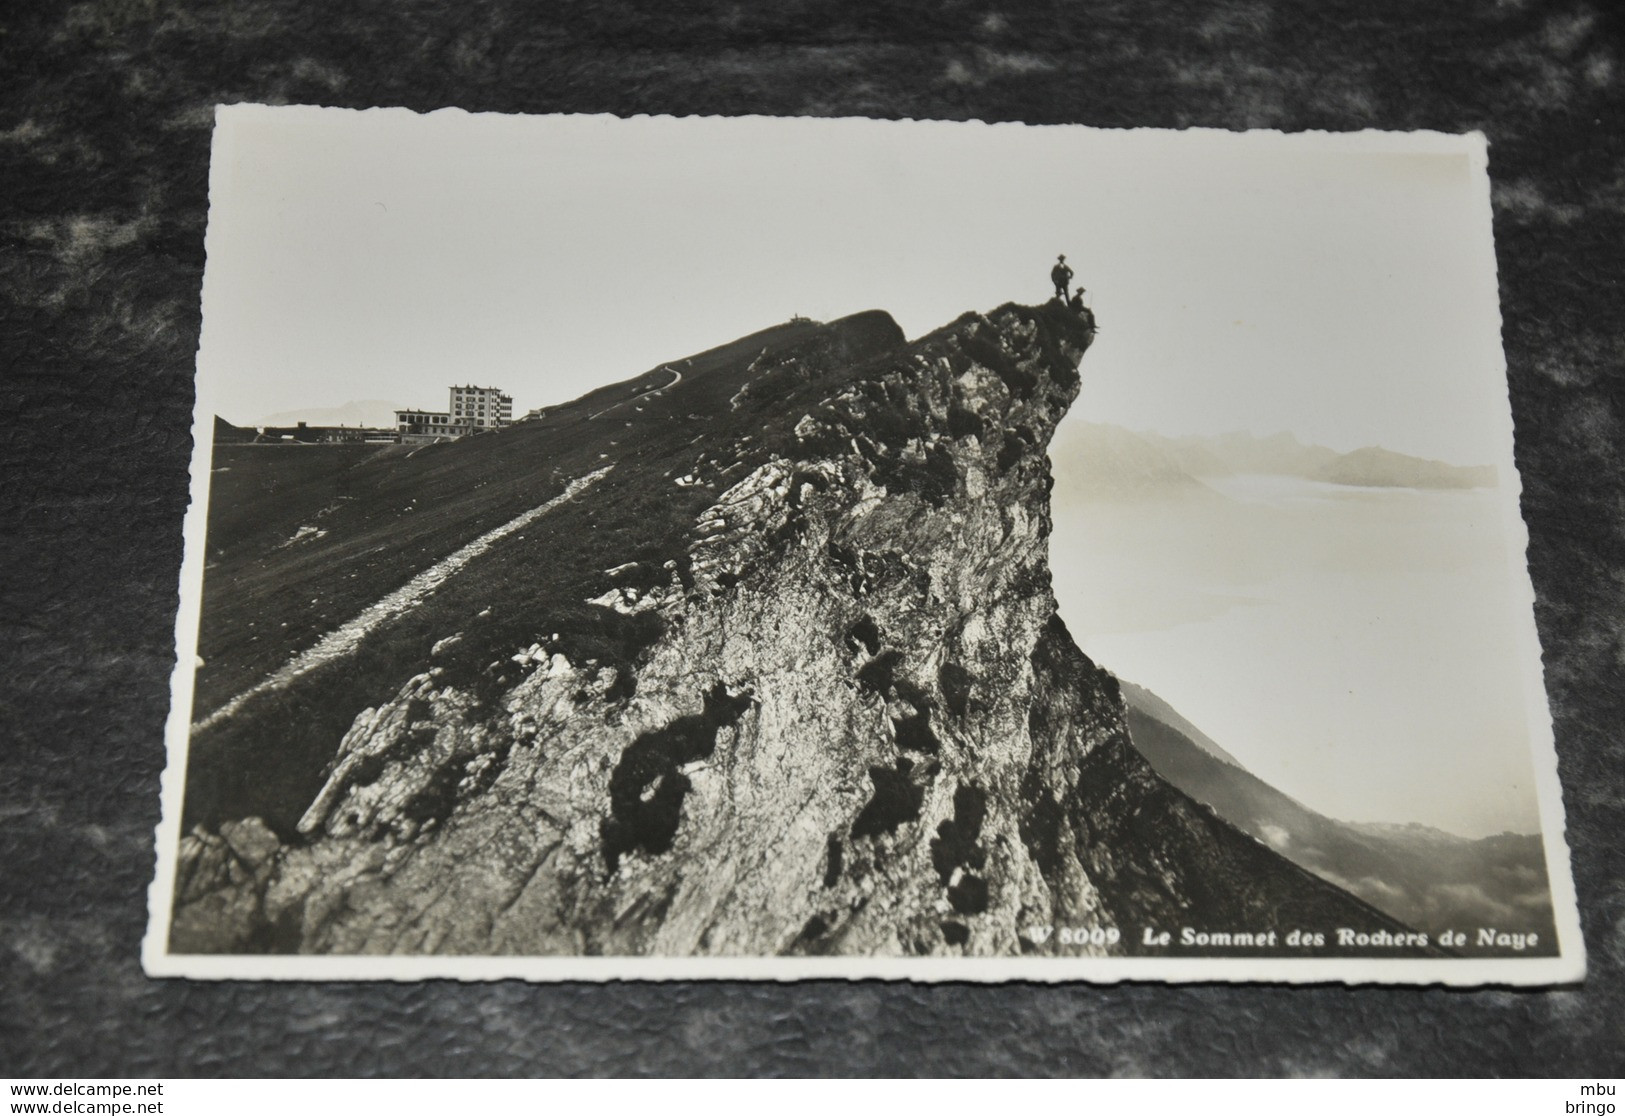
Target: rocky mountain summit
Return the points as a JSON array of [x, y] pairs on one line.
[[755, 654]]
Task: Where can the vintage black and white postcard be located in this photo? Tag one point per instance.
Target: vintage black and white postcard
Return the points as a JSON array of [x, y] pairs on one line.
[[838, 548]]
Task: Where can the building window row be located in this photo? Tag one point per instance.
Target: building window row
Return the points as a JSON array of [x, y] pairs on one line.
[[471, 408]]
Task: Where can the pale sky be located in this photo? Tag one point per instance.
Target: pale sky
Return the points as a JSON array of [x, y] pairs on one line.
[[1242, 281]]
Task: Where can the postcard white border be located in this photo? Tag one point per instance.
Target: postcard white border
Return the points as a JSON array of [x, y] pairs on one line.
[[1566, 968]]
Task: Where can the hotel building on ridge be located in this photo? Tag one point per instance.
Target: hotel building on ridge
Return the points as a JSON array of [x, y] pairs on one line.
[[472, 408]]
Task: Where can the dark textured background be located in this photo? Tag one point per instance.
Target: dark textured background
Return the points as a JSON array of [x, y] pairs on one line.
[[104, 143]]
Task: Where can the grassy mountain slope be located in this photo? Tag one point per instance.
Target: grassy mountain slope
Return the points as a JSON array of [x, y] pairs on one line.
[[390, 512]]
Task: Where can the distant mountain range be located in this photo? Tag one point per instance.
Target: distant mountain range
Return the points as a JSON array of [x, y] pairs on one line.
[[1379, 468], [1105, 461], [358, 412], [1424, 877]]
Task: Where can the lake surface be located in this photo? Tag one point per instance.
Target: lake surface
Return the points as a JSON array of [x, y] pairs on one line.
[[1355, 647]]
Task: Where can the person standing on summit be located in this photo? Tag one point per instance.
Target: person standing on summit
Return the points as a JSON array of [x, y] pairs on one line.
[[1061, 276]]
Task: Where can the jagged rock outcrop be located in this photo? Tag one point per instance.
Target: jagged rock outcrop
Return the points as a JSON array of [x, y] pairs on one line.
[[853, 722]]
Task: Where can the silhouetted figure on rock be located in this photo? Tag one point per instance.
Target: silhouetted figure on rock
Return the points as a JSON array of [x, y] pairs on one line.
[[1061, 276], [1075, 304]]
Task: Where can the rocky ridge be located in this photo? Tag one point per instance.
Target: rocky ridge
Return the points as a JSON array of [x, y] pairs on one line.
[[858, 727]]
